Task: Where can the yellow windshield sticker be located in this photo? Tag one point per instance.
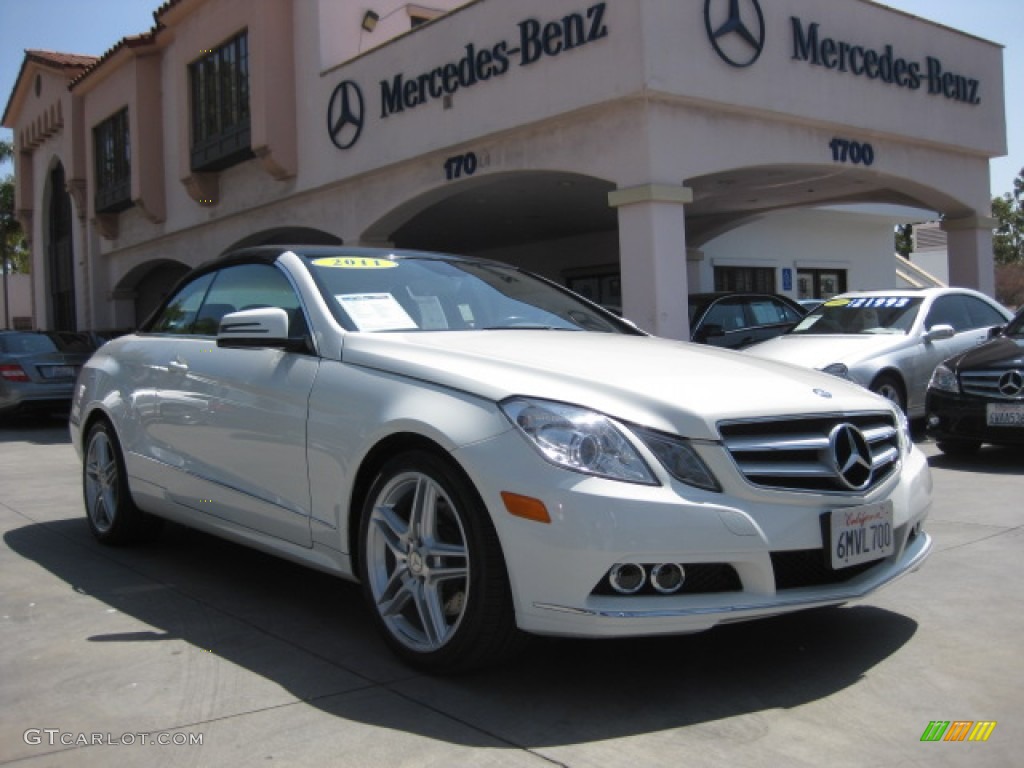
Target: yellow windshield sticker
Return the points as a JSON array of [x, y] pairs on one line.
[[354, 262], [837, 303]]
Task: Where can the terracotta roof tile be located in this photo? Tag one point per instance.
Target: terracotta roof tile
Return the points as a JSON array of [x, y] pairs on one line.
[[57, 59]]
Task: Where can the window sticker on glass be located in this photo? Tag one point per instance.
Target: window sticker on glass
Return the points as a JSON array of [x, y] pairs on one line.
[[376, 312], [355, 262], [431, 313]]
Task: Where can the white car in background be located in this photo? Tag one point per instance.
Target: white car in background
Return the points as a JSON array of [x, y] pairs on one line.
[[490, 455], [888, 341]]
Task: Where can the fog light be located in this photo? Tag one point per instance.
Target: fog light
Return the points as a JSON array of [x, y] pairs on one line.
[[668, 577], [627, 578]]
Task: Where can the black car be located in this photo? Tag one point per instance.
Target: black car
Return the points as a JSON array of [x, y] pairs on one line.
[[978, 396], [737, 320]]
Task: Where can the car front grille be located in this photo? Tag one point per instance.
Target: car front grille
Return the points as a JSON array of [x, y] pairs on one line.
[[986, 384], [807, 568], [807, 453]]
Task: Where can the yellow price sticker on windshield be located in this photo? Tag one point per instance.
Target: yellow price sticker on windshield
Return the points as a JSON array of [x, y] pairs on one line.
[[355, 262], [837, 303]]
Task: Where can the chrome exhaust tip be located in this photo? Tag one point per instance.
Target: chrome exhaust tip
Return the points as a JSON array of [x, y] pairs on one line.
[[668, 578], [627, 578]]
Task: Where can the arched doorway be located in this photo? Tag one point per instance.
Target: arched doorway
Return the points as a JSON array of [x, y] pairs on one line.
[[60, 255]]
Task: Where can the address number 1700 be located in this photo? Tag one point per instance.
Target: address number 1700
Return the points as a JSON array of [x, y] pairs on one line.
[[846, 151]]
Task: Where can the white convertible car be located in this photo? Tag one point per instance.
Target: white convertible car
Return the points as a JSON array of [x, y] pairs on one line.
[[490, 455]]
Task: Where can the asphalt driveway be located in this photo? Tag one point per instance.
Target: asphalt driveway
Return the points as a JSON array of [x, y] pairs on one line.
[[196, 652]]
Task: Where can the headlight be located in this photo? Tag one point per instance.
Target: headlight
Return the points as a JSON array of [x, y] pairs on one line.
[[837, 369], [578, 439], [679, 459], [903, 425], [944, 380]]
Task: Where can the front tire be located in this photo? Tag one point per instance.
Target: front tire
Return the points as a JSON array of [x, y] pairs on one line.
[[432, 568], [112, 515], [891, 388], [959, 448]]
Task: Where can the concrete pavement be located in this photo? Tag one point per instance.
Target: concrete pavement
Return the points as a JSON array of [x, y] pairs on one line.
[[105, 652]]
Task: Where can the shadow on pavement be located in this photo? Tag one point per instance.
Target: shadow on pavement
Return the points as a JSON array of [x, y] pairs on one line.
[[35, 428], [280, 620], [989, 460]]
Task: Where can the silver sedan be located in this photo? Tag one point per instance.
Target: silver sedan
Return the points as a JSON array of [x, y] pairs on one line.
[[889, 341]]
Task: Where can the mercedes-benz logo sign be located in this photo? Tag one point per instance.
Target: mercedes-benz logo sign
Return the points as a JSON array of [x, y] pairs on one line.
[[345, 115], [851, 456], [1011, 384], [735, 29]]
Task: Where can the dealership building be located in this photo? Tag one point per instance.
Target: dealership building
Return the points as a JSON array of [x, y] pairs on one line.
[[634, 150]]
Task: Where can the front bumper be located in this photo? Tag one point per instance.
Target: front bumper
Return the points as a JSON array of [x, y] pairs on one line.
[[556, 570], [953, 417]]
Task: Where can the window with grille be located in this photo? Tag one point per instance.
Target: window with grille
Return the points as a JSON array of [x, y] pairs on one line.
[[746, 279], [113, 156], [219, 83]]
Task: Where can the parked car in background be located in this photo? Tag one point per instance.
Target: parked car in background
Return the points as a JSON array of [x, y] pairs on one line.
[[38, 369], [889, 341], [978, 396], [489, 455], [737, 320], [100, 337]]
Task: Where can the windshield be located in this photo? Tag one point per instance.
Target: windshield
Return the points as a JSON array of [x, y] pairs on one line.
[[1016, 327], [433, 294], [864, 315]]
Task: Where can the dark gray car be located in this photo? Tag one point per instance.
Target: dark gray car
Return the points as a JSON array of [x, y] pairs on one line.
[[38, 369]]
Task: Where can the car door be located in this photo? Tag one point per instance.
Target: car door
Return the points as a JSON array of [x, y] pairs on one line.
[[771, 317], [233, 421], [724, 324]]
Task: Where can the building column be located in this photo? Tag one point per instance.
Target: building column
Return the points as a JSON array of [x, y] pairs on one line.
[[652, 257], [970, 256]]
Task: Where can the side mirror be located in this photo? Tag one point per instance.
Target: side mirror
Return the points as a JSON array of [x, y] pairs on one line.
[[940, 332], [996, 331], [264, 327]]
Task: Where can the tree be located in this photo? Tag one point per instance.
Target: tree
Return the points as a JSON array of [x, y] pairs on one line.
[[12, 239], [1008, 210], [905, 240]]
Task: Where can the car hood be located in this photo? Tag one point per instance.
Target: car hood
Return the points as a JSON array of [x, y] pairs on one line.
[[818, 351], [1001, 352], [669, 385]]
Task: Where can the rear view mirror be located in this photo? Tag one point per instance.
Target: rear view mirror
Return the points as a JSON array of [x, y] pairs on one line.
[[940, 332], [264, 327]]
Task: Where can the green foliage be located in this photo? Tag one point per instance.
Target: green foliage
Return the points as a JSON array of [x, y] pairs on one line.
[[12, 240], [1008, 210], [905, 240]]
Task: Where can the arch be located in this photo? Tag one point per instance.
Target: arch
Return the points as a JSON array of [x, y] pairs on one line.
[[499, 210], [286, 236], [728, 199], [148, 284]]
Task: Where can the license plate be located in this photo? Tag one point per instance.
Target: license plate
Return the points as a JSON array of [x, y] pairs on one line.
[[1005, 414], [58, 371], [860, 534]]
